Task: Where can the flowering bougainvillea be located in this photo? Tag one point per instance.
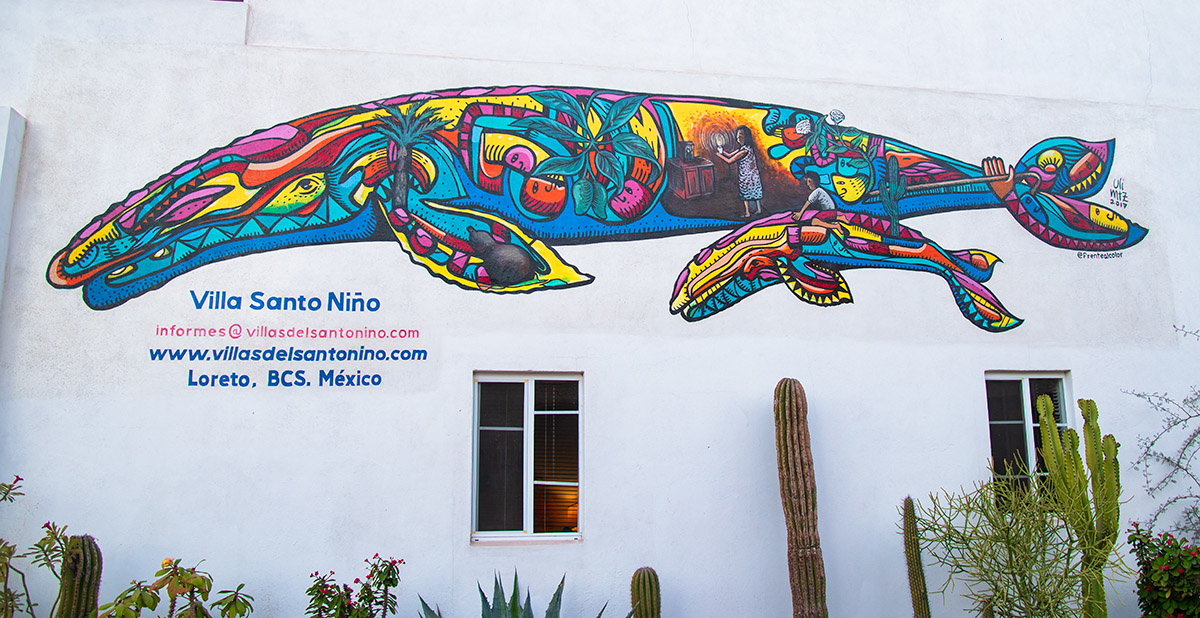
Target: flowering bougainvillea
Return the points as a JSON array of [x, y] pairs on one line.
[[1168, 584], [374, 597]]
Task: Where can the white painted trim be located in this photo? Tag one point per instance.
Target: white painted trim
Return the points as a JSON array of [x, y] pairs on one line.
[[10, 161]]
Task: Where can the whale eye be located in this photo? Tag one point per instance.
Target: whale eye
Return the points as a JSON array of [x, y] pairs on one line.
[[1050, 160], [124, 270], [297, 194]]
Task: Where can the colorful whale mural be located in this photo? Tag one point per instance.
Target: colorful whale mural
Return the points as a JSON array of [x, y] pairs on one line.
[[479, 186]]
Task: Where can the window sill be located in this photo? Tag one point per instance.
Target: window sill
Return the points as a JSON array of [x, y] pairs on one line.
[[524, 538]]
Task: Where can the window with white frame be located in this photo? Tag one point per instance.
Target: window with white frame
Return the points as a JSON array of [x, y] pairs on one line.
[[526, 477], [1013, 422]]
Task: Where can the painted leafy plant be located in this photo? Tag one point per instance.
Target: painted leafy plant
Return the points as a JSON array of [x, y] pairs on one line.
[[405, 130], [603, 153]]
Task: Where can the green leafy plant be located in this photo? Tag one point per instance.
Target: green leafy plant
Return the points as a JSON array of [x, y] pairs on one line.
[[75, 561], [132, 601], [1089, 497], [187, 590], [1168, 583], [1008, 543], [599, 158], [46, 553], [502, 606], [406, 129], [374, 598]]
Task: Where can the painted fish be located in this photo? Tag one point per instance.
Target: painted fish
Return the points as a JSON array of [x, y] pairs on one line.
[[479, 186]]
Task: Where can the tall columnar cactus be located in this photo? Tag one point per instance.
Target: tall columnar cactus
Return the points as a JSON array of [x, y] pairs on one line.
[[80, 583], [912, 555], [798, 491], [644, 594], [1094, 518], [894, 188]]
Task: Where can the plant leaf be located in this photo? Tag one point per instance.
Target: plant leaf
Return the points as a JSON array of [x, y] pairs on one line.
[[609, 166], [428, 611], [549, 128], [633, 145], [599, 200], [560, 101], [553, 609], [621, 113], [567, 166], [514, 604], [582, 193]]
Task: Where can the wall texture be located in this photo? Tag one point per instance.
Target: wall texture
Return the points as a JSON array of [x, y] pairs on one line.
[[678, 469]]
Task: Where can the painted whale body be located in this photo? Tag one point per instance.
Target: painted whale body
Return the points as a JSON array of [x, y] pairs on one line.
[[480, 185]]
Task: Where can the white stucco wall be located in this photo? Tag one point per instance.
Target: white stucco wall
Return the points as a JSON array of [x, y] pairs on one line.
[[268, 485]]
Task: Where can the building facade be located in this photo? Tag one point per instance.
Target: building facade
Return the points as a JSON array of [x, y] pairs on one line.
[[224, 337]]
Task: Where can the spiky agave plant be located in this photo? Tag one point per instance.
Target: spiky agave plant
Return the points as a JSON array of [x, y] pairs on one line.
[[503, 606], [404, 130]]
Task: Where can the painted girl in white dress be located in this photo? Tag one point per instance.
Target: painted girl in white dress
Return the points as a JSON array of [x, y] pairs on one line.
[[749, 182]]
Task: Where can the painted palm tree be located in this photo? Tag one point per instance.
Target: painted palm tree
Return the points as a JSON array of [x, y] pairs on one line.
[[406, 129]]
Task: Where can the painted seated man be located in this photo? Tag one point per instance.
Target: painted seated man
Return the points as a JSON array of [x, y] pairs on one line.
[[825, 213]]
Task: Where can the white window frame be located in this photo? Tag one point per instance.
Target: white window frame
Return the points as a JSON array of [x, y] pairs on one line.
[[527, 510], [1066, 400]]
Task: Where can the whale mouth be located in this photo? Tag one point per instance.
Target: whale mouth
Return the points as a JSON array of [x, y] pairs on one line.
[[1085, 174]]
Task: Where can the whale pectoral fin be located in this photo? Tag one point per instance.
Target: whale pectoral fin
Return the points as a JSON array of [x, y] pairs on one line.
[[976, 263], [814, 283], [979, 305], [480, 251], [736, 266]]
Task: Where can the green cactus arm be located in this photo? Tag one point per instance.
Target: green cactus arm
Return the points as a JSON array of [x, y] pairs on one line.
[[1091, 440], [1108, 503]]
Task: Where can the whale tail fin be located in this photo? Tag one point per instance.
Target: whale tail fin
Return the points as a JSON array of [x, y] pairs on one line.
[[1046, 196]]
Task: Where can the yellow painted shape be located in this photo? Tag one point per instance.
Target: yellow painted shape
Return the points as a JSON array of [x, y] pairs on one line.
[[1108, 219], [1050, 160], [106, 233], [362, 194], [850, 188], [561, 273], [235, 198], [496, 144]]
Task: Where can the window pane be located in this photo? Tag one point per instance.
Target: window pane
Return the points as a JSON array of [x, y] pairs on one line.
[[501, 404], [553, 395], [1046, 386], [1004, 400], [1008, 448], [556, 447], [555, 508], [500, 470]]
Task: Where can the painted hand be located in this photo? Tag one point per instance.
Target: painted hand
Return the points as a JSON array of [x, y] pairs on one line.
[[994, 166]]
